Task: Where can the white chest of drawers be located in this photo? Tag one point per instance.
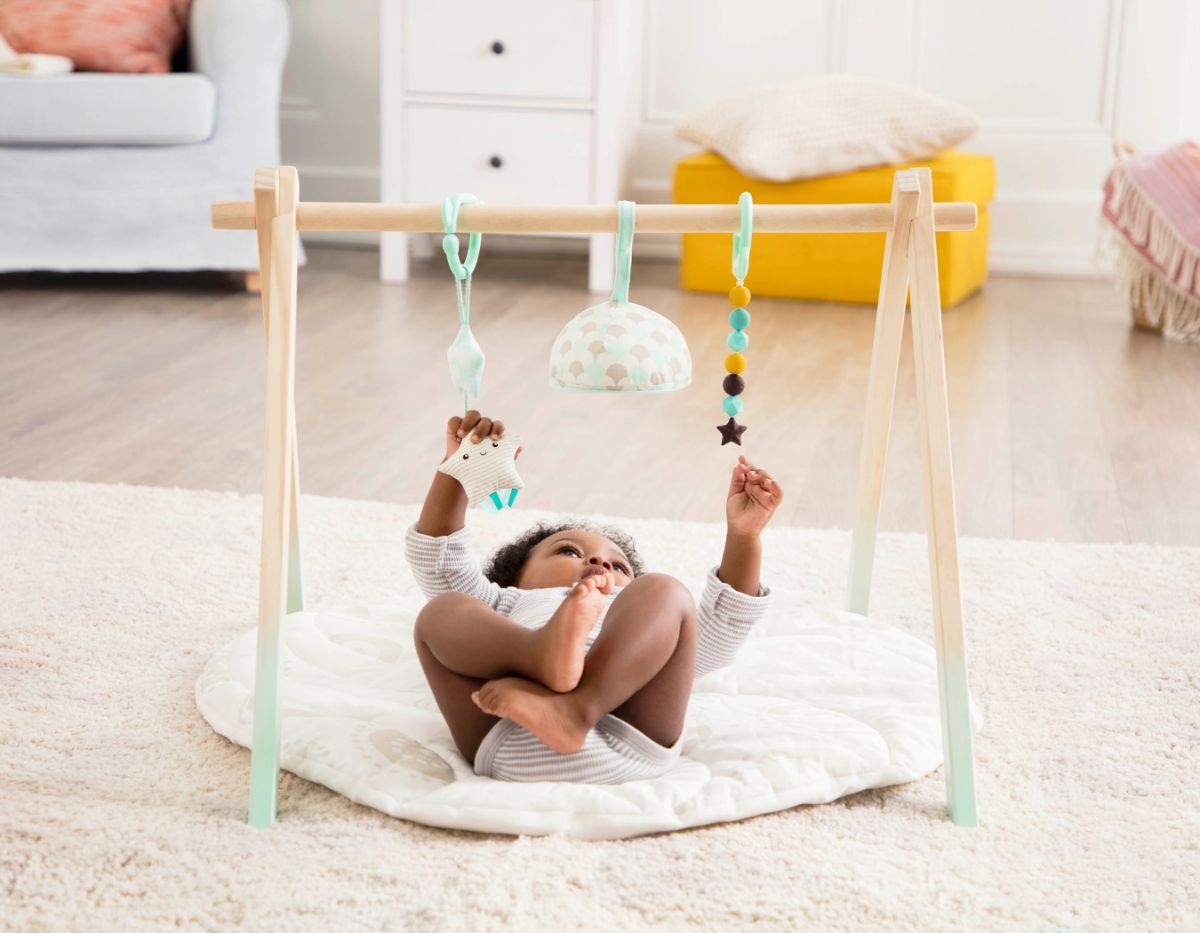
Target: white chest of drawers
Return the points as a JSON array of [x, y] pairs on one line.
[[512, 100]]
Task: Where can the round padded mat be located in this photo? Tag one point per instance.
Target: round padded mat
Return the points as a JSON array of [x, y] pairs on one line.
[[817, 705]]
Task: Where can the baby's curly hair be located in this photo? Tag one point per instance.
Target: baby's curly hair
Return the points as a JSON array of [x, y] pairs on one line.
[[505, 565]]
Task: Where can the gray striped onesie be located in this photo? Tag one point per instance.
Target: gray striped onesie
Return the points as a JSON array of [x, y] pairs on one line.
[[614, 751]]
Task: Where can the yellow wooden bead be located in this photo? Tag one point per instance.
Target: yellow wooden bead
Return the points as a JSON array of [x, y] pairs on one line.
[[735, 363], [739, 295]]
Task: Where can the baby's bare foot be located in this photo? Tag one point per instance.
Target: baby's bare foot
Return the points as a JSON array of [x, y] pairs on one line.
[[551, 716], [561, 641]]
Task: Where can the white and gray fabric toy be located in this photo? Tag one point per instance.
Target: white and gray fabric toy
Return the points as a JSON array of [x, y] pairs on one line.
[[487, 470]]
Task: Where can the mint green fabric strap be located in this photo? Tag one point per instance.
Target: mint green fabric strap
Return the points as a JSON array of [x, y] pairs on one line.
[[450, 208], [465, 356], [741, 239], [626, 217]]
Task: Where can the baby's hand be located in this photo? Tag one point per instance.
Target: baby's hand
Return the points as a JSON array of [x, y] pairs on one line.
[[475, 425], [753, 498]]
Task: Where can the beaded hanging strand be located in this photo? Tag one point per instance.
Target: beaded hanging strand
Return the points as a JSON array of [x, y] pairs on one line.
[[739, 320]]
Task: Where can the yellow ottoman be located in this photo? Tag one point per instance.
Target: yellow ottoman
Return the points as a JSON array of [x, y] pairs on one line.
[[830, 266]]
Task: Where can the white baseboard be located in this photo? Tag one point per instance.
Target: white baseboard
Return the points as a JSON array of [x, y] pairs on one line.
[[1049, 261]]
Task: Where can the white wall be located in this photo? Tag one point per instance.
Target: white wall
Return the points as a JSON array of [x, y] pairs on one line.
[[1051, 80]]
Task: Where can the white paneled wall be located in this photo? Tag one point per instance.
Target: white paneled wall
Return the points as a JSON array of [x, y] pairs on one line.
[[1053, 81], [330, 109]]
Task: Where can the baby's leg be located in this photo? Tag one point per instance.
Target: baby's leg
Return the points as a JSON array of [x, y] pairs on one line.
[[462, 643], [468, 723], [469, 637], [640, 669], [473, 639], [659, 706]]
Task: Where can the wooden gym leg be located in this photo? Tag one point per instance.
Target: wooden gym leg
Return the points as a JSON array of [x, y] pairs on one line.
[[881, 391], [276, 197], [265, 209], [934, 415]]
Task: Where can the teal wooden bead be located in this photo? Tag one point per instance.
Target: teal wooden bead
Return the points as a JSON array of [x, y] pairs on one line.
[[732, 405], [737, 340], [739, 318]]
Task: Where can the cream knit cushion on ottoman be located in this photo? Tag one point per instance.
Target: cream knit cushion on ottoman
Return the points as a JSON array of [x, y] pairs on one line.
[[826, 125]]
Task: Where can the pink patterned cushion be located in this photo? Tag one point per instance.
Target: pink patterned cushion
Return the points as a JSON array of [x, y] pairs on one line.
[[98, 35]]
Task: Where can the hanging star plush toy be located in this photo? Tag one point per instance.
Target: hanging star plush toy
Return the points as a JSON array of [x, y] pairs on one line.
[[487, 470]]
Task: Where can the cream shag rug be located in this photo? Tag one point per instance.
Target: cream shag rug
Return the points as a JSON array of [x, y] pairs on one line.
[[120, 808]]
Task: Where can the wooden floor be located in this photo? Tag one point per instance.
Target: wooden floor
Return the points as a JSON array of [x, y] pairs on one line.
[[1066, 423]]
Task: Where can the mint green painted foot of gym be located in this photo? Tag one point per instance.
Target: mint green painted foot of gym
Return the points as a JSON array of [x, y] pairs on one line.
[[264, 787], [963, 809]]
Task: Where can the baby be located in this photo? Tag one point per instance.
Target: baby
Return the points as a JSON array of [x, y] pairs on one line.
[[566, 660]]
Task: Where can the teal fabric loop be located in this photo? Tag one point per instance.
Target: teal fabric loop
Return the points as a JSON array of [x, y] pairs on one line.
[[626, 219], [741, 239], [450, 208]]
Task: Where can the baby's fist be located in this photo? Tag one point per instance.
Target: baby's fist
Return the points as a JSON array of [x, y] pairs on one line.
[[475, 426], [753, 497]]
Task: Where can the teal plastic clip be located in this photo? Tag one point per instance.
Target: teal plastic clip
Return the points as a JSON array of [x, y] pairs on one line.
[[450, 208], [741, 239], [626, 220]]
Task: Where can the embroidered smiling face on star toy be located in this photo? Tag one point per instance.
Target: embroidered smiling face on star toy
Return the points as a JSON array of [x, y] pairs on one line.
[[486, 469]]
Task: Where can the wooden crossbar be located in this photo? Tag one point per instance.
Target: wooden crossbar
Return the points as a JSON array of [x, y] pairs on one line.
[[594, 218], [909, 271]]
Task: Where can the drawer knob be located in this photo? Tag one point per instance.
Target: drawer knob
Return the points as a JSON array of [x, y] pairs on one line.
[[498, 47], [495, 161]]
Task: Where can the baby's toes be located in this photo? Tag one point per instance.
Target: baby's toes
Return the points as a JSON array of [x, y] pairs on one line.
[[485, 699], [585, 589], [579, 592], [595, 592]]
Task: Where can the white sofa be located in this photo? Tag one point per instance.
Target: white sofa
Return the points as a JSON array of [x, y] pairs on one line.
[[116, 172]]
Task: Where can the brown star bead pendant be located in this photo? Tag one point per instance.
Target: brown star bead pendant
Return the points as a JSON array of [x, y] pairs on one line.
[[731, 431]]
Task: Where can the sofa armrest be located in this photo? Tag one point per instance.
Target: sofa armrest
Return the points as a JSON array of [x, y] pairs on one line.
[[242, 45]]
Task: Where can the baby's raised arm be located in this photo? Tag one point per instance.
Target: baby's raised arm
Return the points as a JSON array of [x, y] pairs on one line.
[[734, 598], [437, 545], [752, 499], [445, 508]]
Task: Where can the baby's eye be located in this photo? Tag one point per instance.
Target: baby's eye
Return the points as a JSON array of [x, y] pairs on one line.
[[568, 547], [625, 570]]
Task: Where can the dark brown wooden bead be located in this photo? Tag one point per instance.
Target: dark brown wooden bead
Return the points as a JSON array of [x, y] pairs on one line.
[[733, 384]]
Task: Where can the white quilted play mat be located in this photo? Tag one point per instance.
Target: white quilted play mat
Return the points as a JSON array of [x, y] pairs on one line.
[[819, 704]]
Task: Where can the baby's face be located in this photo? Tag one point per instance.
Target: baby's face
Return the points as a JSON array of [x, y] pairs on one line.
[[570, 555]]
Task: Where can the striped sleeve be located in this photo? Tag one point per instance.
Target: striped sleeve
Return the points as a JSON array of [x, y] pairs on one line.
[[724, 618], [446, 564]]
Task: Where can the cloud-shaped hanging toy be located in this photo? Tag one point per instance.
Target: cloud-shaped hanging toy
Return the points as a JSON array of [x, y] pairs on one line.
[[617, 345], [487, 470]]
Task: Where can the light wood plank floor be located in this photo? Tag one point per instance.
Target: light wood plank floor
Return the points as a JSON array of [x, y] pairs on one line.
[[1066, 423]]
